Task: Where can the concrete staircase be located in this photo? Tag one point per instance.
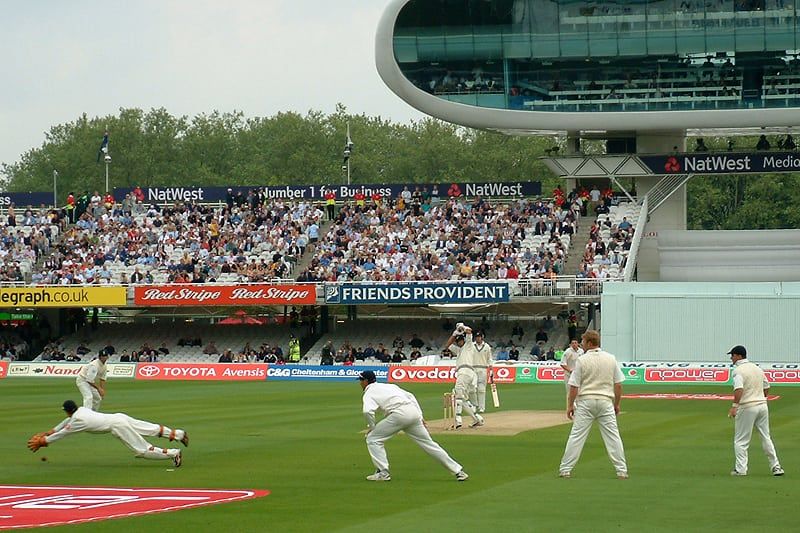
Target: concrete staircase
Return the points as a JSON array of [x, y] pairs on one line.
[[310, 252], [577, 246]]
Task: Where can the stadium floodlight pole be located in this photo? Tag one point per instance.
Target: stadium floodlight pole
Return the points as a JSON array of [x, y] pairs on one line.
[[107, 159], [348, 149], [55, 188]]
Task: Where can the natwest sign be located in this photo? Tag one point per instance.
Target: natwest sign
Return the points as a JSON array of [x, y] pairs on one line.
[[422, 374], [180, 295], [686, 375], [202, 371]]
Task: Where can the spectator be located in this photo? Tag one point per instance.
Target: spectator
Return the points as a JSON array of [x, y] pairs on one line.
[[109, 349], [502, 354], [211, 349], [513, 353], [550, 355], [226, 357], [163, 348], [700, 145], [763, 143], [536, 352], [416, 342], [125, 357], [541, 336], [398, 356], [82, 349], [517, 331]]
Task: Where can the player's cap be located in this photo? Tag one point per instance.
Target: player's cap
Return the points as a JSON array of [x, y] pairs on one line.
[[69, 406], [368, 376], [460, 338], [477, 333], [738, 350]]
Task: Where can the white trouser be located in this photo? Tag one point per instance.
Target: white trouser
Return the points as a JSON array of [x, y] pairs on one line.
[[480, 399], [91, 398], [130, 430], [466, 379], [566, 385], [748, 416], [407, 419], [586, 412]]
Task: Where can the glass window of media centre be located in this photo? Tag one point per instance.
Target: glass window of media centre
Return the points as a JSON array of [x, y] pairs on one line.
[[627, 55]]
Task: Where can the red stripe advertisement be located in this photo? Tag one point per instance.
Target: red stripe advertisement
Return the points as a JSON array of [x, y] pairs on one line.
[[201, 371], [241, 295]]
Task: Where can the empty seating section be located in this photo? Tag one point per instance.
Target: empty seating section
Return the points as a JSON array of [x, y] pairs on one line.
[[131, 337]]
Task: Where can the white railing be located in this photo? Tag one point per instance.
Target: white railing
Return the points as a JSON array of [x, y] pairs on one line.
[[630, 263]]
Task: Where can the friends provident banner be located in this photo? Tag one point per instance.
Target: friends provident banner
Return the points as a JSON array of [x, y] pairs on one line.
[[416, 293], [210, 295]]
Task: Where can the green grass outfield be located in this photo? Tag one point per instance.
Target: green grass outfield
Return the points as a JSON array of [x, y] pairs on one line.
[[301, 441]]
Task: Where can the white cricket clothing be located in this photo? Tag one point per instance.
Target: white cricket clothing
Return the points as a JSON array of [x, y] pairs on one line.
[[596, 372], [479, 357], [91, 374], [752, 413], [569, 359], [402, 413], [127, 429], [750, 378]]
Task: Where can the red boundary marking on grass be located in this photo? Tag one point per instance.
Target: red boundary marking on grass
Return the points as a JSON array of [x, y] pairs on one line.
[[699, 396], [38, 506]]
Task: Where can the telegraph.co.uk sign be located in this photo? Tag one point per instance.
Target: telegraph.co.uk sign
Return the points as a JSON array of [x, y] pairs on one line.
[[723, 163], [416, 293]]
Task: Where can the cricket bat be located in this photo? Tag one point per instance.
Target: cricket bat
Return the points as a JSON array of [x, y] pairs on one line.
[[495, 397]]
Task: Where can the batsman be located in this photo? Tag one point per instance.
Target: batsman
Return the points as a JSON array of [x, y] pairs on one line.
[[466, 378]]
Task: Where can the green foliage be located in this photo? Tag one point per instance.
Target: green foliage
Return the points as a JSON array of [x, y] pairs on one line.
[[153, 147]]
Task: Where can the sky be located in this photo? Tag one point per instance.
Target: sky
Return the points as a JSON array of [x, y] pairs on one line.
[[61, 59]]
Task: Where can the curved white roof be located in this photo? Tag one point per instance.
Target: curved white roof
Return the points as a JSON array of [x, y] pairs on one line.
[[513, 121]]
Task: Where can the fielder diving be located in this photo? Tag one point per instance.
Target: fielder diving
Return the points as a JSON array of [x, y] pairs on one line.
[[127, 429]]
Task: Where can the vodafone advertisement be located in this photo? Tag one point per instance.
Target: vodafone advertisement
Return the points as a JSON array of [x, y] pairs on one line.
[[201, 371], [239, 295], [442, 374], [3, 369]]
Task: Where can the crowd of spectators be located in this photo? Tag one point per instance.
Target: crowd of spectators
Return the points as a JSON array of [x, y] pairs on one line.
[[405, 239], [251, 238], [25, 238]]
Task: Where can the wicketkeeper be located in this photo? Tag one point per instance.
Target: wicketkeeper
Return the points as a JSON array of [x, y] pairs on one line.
[[127, 429]]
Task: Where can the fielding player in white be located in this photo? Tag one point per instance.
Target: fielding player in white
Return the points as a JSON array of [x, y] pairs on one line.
[[401, 413], [568, 361], [91, 381], [481, 355], [595, 390], [128, 430], [466, 378], [750, 409]]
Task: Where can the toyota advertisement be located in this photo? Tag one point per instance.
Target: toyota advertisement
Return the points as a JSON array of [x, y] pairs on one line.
[[210, 295], [201, 371]]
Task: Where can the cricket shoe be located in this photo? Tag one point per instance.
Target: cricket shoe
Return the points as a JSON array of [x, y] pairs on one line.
[[462, 476], [777, 471], [454, 427], [565, 474], [478, 423], [379, 476], [185, 439], [178, 460], [737, 473], [622, 475]]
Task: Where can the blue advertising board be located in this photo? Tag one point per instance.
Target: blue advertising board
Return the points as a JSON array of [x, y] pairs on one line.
[[20, 199], [166, 195], [416, 293], [323, 373], [723, 163]]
